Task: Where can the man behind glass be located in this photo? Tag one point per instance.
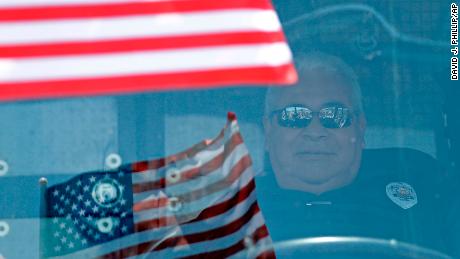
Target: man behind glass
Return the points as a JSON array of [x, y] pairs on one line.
[[324, 184]]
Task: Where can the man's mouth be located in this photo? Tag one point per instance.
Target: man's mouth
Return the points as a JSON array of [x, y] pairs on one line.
[[315, 154]]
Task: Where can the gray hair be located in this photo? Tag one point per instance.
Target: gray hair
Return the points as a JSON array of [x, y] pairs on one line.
[[328, 63]]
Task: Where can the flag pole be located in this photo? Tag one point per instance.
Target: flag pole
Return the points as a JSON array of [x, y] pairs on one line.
[[43, 182]]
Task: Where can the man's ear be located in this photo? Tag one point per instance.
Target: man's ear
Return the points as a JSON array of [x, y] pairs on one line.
[[267, 131], [362, 124]]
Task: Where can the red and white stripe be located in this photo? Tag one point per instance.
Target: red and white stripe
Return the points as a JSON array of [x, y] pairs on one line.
[[98, 47], [219, 211]]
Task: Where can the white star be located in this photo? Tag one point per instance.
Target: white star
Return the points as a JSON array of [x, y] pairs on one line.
[[74, 206], [87, 203], [82, 227], [83, 241], [85, 188], [67, 201], [75, 221], [124, 229], [56, 193], [62, 197], [62, 225], [64, 240], [57, 248], [82, 212], [77, 236], [116, 223], [97, 236], [69, 231], [122, 188], [56, 206], [120, 174], [73, 193], [70, 245], [123, 214], [61, 211], [123, 202], [67, 188], [116, 210], [95, 209], [55, 220], [89, 218], [68, 217], [79, 183], [92, 179], [56, 234], [89, 232], [80, 197]]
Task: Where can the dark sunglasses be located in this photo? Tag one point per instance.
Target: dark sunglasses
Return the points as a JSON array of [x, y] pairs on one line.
[[333, 116]]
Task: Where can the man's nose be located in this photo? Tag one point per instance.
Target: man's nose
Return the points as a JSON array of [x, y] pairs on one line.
[[315, 130]]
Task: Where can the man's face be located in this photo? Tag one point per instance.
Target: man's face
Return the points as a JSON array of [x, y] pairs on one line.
[[315, 155]]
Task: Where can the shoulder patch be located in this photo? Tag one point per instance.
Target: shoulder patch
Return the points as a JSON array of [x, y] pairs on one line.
[[402, 194]]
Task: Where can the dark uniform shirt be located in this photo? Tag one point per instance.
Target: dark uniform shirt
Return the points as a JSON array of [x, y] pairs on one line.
[[368, 207]]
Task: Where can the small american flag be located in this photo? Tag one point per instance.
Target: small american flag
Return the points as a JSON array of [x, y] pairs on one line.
[[54, 48], [200, 203]]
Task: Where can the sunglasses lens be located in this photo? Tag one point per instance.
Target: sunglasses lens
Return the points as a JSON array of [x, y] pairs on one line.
[[335, 117], [294, 117]]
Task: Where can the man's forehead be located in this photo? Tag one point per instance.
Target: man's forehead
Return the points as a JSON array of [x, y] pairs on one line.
[[313, 93]]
